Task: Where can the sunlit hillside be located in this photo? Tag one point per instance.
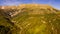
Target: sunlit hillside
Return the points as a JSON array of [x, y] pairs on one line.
[[29, 19]]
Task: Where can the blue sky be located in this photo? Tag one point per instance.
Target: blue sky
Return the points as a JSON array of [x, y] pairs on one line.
[[54, 3]]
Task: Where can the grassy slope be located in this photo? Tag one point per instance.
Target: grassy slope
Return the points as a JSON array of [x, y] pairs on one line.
[[6, 27], [33, 20]]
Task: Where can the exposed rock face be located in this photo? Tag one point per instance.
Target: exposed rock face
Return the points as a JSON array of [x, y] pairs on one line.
[[29, 19]]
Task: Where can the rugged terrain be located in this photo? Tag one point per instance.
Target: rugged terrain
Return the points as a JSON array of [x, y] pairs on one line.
[[29, 19]]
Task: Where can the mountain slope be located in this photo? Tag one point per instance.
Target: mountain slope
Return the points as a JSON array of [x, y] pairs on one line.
[[32, 19]]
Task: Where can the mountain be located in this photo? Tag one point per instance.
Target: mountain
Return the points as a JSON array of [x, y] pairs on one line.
[[29, 19]]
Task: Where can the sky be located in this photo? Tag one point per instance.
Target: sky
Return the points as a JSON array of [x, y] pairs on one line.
[[53, 3]]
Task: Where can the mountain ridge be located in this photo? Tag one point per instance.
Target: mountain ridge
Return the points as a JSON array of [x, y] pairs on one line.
[[27, 5], [14, 10]]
